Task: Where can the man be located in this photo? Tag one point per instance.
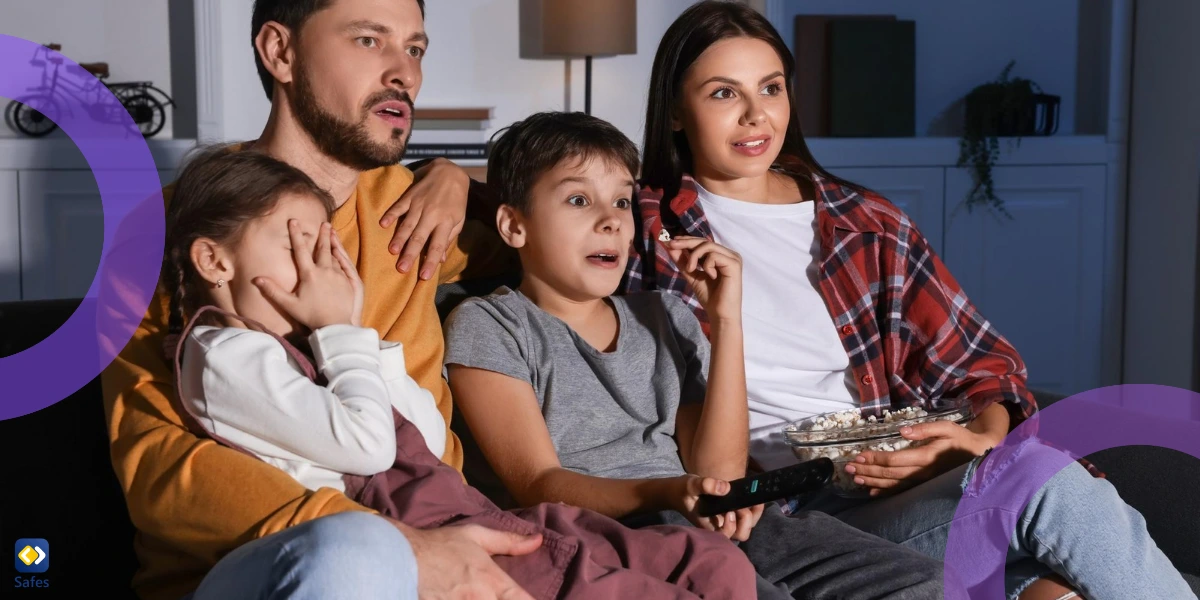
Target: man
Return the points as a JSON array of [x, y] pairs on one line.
[[338, 96]]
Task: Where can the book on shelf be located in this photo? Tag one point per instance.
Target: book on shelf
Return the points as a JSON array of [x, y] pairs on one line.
[[454, 124], [452, 113], [446, 151], [448, 136], [812, 87], [872, 78]]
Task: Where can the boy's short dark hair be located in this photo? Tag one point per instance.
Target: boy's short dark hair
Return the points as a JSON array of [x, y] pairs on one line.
[[527, 149], [291, 14]]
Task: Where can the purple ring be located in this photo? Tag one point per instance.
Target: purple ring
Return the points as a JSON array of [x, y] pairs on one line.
[[1079, 425], [131, 256]]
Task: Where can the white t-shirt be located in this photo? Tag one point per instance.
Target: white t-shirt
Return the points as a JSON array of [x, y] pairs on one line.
[[796, 365], [243, 386]]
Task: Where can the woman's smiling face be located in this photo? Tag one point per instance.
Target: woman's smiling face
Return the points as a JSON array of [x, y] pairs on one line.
[[734, 109]]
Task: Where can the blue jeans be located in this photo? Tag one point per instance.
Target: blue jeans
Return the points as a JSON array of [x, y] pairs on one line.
[[346, 555], [1076, 526]]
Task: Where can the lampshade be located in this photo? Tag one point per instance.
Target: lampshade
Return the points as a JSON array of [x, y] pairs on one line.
[[576, 28]]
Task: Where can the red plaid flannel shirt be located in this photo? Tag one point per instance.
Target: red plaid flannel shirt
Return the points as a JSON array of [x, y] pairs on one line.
[[909, 330]]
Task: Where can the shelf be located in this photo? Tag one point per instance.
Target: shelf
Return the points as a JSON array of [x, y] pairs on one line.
[[943, 151], [61, 153]]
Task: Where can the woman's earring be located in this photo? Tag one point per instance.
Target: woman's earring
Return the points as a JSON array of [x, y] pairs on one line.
[[220, 283]]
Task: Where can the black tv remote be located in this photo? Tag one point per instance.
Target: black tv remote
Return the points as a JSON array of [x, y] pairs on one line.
[[771, 485]]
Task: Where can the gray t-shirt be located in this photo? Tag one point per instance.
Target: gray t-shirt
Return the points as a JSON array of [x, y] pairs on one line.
[[609, 414]]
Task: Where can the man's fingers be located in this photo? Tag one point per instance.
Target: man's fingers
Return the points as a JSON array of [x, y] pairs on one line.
[[503, 542], [510, 590], [438, 242], [412, 249], [403, 231], [397, 210]]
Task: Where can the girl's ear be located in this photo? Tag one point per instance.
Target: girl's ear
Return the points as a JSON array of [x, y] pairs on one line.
[[212, 262], [510, 224]]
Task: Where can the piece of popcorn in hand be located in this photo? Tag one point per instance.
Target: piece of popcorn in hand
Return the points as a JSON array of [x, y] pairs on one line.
[[664, 236]]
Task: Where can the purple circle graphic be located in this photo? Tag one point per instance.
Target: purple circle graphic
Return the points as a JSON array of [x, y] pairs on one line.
[[134, 224], [1110, 417]]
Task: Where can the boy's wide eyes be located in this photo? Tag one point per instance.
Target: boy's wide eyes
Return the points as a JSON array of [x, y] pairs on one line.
[[582, 201]]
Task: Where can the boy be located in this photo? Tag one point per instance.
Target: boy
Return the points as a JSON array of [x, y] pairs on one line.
[[619, 403]]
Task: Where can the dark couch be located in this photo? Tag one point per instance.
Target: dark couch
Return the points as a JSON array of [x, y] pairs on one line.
[[61, 485]]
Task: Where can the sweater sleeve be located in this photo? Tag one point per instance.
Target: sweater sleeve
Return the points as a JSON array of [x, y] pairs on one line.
[[411, 400], [256, 397]]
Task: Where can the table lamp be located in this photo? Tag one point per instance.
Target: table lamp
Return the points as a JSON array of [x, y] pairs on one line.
[[578, 28]]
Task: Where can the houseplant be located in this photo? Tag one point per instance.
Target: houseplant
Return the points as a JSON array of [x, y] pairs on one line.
[[1005, 107]]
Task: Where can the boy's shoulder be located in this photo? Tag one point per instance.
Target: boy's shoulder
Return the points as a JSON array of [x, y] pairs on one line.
[[652, 300], [504, 305]]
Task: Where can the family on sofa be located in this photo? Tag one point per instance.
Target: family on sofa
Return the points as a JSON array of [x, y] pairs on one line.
[[281, 421]]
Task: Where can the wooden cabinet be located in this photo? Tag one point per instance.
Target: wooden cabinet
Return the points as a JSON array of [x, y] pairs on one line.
[[1039, 276], [62, 233]]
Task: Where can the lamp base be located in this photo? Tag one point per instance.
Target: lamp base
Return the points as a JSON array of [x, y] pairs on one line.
[[587, 85]]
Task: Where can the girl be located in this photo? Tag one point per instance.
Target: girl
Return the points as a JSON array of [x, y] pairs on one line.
[[261, 276], [847, 306]]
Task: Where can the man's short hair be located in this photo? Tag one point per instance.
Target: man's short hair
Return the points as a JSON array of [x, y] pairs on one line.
[[291, 14], [527, 149]]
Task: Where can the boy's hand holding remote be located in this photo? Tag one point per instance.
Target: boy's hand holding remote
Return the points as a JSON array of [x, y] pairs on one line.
[[735, 525]]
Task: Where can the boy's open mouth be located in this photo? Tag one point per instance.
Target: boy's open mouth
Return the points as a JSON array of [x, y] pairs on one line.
[[604, 259]]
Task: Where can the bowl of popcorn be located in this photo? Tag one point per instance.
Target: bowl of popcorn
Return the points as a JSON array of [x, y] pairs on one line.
[[843, 435]]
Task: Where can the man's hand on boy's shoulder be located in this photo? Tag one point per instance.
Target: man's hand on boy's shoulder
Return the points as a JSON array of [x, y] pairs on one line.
[[430, 213]]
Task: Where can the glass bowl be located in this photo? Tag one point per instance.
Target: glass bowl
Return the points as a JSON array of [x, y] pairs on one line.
[[843, 435]]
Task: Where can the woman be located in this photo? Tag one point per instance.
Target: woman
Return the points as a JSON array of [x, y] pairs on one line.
[[845, 306]]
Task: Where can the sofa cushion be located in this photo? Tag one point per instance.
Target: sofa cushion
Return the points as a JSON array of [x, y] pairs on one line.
[[61, 484]]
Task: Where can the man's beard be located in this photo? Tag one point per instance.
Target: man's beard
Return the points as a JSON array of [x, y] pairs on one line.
[[349, 143]]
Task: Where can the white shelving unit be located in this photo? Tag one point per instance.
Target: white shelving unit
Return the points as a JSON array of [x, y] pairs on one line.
[[1050, 279]]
